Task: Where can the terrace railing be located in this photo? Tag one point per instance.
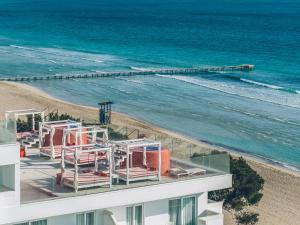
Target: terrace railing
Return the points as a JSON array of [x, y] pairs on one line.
[[7, 132]]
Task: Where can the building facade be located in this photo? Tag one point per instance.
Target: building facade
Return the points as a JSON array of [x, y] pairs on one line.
[[30, 196]]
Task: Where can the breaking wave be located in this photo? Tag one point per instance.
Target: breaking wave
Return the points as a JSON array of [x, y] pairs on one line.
[[275, 96]]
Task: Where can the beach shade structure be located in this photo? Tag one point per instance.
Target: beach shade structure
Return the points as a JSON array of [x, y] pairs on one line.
[[27, 136], [51, 136], [125, 168], [30, 115], [152, 159], [78, 176], [90, 136], [105, 112]]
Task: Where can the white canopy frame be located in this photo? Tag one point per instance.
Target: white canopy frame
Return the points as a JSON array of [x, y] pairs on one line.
[[127, 146], [50, 127], [91, 131], [24, 112], [93, 179]]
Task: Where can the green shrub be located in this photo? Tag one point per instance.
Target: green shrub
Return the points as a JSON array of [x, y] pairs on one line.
[[246, 189], [247, 218]]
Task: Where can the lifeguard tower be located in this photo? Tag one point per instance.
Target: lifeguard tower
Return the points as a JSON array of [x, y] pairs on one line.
[[105, 112]]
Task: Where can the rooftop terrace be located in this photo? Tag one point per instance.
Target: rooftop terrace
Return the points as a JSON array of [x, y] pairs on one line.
[[38, 176]]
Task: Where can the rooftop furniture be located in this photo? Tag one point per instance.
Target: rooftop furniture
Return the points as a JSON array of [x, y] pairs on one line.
[[30, 137], [51, 136], [124, 166], [89, 137], [24, 112], [78, 176], [180, 172]]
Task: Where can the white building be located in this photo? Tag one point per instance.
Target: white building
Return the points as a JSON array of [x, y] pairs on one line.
[[29, 194]]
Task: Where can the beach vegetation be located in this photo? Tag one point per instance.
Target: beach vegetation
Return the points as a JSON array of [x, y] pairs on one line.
[[247, 186], [246, 218], [115, 135], [55, 116]]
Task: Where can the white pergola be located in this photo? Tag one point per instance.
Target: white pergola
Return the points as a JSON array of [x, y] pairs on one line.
[[50, 128], [128, 145], [24, 112], [72, 177], [94, 133]]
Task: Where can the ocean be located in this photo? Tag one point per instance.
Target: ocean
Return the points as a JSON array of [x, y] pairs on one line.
[[257, 113]]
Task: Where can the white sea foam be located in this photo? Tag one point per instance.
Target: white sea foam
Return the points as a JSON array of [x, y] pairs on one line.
[[93, 60], [57, 55], [269, 86], [261, 84], [267, 95], [132, 81], [139, 68]]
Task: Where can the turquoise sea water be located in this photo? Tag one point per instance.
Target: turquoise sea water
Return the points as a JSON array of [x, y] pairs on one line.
[[256, 113]]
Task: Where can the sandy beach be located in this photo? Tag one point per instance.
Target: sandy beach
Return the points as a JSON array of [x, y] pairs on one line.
[[279, 205]]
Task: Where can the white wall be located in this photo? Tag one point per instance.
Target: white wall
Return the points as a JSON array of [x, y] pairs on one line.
[[69, 219], [55, 207], [9, 155], [7, 176], [202, 202], [120, 214], [155, 213]]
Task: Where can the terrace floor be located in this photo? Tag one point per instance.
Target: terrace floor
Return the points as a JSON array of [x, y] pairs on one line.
[[38, 180]]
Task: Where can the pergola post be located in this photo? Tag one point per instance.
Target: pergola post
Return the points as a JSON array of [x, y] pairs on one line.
[[76, 170], [40, 134], [33, 122], [110, 167], [96, 161], [16, 125], [144, 156], [127, 164], [63, 165], [52, 131], [159, 162]]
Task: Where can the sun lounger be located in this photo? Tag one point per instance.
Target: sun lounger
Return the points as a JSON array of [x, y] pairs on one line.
[[137, 173], [196, 171], [47, 151], [84, 158], [180, 172], [85, 180]]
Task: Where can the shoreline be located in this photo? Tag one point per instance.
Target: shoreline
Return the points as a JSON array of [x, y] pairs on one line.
[[284, 167], [281, 193]]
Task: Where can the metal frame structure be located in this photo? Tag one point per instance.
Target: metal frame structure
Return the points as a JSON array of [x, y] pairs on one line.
[[128, 146], [24, 112], [92, 135], [79, 180], [50, 128]]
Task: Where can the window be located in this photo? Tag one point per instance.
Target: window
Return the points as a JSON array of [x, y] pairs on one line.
[[37, 222], [175, 211], [85, 218], [182, 211], [134, 215], [7, 178]]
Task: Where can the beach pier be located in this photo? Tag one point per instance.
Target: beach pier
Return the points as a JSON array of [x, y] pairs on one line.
[[175, 71]]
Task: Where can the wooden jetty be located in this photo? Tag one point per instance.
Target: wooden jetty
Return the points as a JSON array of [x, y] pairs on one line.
[[244, 67]]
